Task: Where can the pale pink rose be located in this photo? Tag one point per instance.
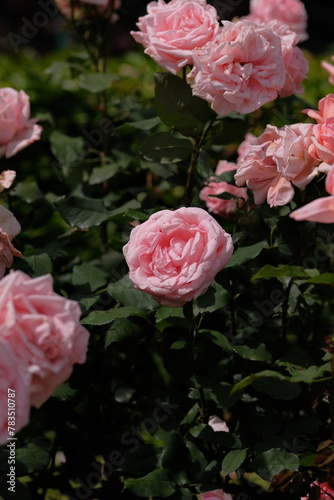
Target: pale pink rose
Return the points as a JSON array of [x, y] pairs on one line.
[[43, 330], [7, 178], [240, 70], [224, 208], [320, 210], [9, 228], [13, 376], [330, 69], [290, 12], [175, 255], [323, 141], [296, 64], [244, 147], [170, 32], [326, 109], [276, 161], [216, 495], [217, 424], [17, 131]]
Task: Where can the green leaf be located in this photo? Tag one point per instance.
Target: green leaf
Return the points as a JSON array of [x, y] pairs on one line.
[[322, 279], [215, 298], [258, 354], [102, 174], [64, 392], [124, 292], [233, 460], [69, 151], [124, 330], [217, 338], [82, 212], [228, 130], [96, 82], [35, 265], [87, 274], [177, 107], [222, 395], [243, 254], [157, 483], [268, 272], [32, 457], [175, 455], [165, 312], [105, 317], [179, 344], [165, 148], [255, 376], [307, 375], [205, 432], [277, 389], [271, 462]]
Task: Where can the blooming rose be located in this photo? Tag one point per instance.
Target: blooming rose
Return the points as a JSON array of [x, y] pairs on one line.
[[325, 491], [43, 331], [17, 131], [7, 178], [9, 228], [216, 495], [170, 32], [325, 111], [323, 141], [322, 209], [13, 378], [275, 161], [224, 208], [240, 70], [217, 424], [175, 255], [330, 68], [296, 64], [290, 12]]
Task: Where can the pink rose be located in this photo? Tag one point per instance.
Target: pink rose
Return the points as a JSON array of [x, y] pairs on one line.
[[290, 12], [13, 377], [17, 131], [224, 208], [216, 495], [326, 109], [323, 141], [320, 210], [295, 63], [7, 178], [330, 69], [276, 161], [240, 70], [170, 32], [175, 255], [325, 492], [217, 424], [9, 228], [43, 331]]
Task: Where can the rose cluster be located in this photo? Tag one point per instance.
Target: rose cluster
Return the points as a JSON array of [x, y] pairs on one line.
[[237, 66], [280, 159], [40, 341]]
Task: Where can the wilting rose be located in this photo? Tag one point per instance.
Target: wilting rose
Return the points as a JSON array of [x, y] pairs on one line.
[[14, 378], [241, 70], [7, 178], [224, 208], [17, 130], [170, 32], [290, 12], [9, 228], [325, 111], [175, 255], [43, 331], [276, 161], [320, 210], [216, 495]]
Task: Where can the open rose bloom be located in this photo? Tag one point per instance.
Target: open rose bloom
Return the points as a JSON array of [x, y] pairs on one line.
[[170, 31], [175, 255], [42, 332], [17, 130], [276, 161], [289, 12], [241, 70], [216, 495]]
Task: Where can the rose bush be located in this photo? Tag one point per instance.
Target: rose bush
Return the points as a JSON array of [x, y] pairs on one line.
[[175, 255]]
